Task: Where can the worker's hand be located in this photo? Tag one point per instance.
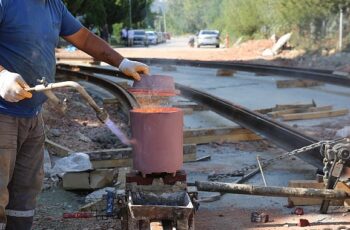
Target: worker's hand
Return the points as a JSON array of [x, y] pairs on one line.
[[133, 68], [12, 87]]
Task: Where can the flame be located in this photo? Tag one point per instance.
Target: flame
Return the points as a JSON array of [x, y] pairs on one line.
[[156, 110]]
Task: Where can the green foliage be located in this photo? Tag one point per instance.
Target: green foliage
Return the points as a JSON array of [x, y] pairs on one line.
[[98, 13], [190, 16], [313, 20]]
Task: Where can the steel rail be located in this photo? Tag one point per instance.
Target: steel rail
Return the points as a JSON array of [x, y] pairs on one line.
[[93, 69], [280, 134], [127, 100], [312, 74]]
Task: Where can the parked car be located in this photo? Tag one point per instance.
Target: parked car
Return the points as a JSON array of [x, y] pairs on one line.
[[140, 38], [208, 37], [152, 37]]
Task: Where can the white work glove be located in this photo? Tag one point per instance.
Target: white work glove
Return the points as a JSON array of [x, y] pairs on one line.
[[133, 68], [12, 87]]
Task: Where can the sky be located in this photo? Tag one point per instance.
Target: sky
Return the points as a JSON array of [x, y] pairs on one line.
[[158, 4]]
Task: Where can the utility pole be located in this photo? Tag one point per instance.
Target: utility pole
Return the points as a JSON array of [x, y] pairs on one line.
[[162, 8], [130, 16], [341, 29], [164, 19]]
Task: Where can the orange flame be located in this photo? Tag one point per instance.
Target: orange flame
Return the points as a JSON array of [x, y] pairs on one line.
[[156, 110]]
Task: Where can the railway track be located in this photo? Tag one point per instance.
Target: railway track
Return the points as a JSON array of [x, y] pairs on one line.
[[278, 133]]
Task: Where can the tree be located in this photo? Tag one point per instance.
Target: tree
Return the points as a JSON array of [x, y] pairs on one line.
[[101, 13]]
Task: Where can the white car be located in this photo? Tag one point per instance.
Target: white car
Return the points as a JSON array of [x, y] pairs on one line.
[[208, 37], [152, 37], [140, 38]]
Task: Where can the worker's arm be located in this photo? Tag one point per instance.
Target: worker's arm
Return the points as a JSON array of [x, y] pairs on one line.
[[88, 42]]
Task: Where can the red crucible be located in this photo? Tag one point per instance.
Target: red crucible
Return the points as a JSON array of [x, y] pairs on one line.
[[158, 133]]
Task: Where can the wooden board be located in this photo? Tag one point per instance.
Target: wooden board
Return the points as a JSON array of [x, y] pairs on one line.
[[57, 149], [299, 83], [280, 107], [225, 72], [314, 115], [277, 114], [116, 158], [111, 101], [233, 134]]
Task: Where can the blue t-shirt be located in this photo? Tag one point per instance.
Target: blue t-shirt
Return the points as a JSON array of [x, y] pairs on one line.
[[29, 33]]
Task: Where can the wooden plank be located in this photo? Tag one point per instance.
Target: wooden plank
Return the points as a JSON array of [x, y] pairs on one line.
[[344, 187], [122, 176], [190, 157], [102, 164], [116, 158], [111, 101], [225, 72], [286, 106], [233, 134], [57, 149], [193, 107], [299, 83], [277, 114], [291, 106], [314, 115], [187, 111], [299, 201]]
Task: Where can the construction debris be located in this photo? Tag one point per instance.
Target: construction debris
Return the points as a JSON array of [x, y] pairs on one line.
[[96, 179], [298, 211], [257, 217], [76, 162], [303, 223], [225, 72], [274, 50], [344, 132]]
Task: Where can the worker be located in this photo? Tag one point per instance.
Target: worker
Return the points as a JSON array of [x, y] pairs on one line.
[[227, 41], [130, 37], [124, 36], [29, 33]]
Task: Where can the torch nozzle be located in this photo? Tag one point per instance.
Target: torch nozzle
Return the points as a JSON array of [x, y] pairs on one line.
[[101, 114]]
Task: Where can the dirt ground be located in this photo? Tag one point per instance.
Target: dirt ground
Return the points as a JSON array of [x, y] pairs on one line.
[[80, 130], [249, 51]]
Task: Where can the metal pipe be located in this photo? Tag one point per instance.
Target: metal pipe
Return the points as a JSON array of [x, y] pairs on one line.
[[100, 113], [327, 194]]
